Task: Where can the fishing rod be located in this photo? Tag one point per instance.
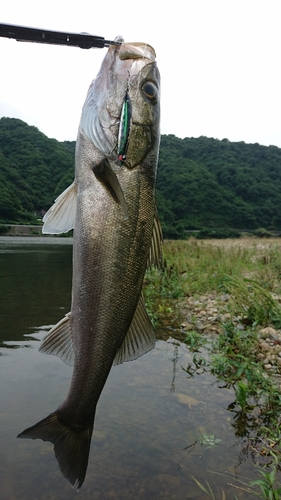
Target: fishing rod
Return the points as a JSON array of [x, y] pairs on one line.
[[82, 40]]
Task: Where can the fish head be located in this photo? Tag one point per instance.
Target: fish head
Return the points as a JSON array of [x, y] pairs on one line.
[[121, 114]]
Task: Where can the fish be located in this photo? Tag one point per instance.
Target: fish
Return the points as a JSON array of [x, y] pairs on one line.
[[117, 235]]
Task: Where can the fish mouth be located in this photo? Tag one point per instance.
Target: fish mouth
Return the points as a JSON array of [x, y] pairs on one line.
[[137, 50], [130, 58]]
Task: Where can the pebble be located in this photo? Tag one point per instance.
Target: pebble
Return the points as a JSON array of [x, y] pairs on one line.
[[208, 326], [268, 332], [206, 314], [200, 326], [187, 400], [225, 297], [227, 316], [187, 326], [264, 346], [112, 495], [172, 481]]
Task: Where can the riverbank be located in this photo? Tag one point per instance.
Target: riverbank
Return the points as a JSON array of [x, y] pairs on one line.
[[21, 230], [214, 285], [25, 230], [223, 299]]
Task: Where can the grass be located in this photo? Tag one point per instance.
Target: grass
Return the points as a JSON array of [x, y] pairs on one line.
[[249, 271]]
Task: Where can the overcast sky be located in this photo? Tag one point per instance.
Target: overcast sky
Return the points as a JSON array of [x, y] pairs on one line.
[[219, 62]]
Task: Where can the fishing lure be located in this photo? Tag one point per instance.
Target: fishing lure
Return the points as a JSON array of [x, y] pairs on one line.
[[124, 129]]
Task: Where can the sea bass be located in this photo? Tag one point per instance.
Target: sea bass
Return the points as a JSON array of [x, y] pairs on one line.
[[111, 206]]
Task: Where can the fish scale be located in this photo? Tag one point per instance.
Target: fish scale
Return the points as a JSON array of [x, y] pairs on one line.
[[111, 206]]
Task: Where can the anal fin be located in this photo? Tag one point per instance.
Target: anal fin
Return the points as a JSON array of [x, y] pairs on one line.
[[140, 337], [59, 341]]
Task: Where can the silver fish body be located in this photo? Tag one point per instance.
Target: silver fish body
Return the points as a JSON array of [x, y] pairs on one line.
[[111, 206]]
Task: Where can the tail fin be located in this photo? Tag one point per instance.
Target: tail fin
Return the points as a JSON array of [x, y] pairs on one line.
[[71, 447]]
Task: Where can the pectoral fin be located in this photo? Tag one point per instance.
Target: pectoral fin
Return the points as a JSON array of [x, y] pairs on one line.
[[59, 341], [60, 218], [140, 337], [108, 178]]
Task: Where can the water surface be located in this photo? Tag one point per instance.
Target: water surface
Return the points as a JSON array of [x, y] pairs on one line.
[[155, 427]]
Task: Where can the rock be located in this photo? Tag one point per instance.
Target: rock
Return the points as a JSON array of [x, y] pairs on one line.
[[186, 400], [203, 298], [112, 495], [200, 326], [268, 366], [172, 481], [226, 316], [187, 326], [208, 326], [264, 346], [268, 332], [225, 297], [241, 327]]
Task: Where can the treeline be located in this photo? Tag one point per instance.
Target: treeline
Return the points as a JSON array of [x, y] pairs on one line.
[[207, 183], [203, 184], [32, 168]]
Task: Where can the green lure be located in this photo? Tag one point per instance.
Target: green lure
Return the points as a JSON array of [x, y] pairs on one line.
[[124, 129]]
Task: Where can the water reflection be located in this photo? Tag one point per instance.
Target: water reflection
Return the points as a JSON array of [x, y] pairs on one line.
[[35, 283], [155, 427]]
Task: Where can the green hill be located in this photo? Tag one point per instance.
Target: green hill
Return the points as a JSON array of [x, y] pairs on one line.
[[31, 168], [218, 184], [202, 182]]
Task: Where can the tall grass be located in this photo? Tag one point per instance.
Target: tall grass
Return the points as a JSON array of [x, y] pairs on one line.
[[201, 266]]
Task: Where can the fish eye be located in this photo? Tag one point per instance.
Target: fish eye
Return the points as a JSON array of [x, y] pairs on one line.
[[150, 91]]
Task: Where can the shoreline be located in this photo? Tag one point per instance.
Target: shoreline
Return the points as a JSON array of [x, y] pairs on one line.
[[25, 230], [22, 230]]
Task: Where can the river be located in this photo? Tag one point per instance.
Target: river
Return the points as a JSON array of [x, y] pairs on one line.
[[156, 428]]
